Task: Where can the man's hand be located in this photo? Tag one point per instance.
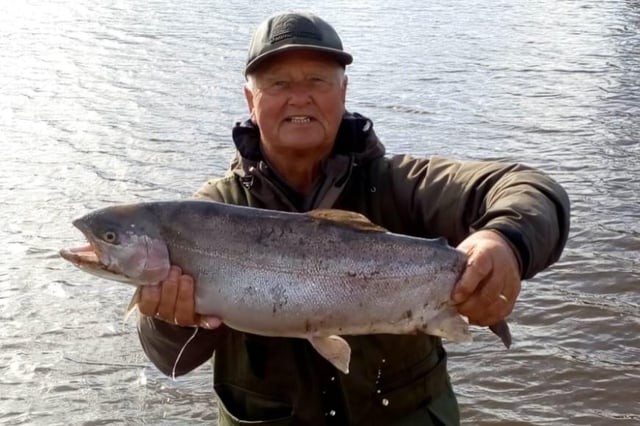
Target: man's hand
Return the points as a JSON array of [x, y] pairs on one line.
[[490, 285], [173, 301]]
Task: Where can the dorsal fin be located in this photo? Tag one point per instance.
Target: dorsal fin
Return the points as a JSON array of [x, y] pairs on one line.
[[343, 217]]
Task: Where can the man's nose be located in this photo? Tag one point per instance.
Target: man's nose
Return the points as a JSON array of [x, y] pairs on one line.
[[300, 92]]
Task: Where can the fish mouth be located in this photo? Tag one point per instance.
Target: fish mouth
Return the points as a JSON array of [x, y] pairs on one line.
[[143, 262], [87, 259], [84, 257]]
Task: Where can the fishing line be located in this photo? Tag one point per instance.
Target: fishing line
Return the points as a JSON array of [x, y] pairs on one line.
[[103, 364], [175, 364]]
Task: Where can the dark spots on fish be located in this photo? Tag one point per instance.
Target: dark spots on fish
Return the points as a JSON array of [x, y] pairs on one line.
[[264, 236], [363, 277], [442, 304], [408, 314], [277, 307], [279, 296], [307, 325], [421, 326]]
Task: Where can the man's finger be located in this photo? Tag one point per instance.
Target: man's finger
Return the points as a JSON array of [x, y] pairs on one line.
[[149, 299], [492, 287], [209, 322], [167, 304], [184, 308], [477, 269]]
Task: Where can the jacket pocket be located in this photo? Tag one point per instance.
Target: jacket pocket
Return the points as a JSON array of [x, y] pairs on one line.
[[421, 394], [239, 406]]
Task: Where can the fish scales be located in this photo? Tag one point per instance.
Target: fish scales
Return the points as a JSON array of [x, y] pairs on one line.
[[288, 266]]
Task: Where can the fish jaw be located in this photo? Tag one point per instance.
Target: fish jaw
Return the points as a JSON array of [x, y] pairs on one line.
[[86, 259], [136, 259]]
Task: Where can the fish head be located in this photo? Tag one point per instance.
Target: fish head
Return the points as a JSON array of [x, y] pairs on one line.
[[125, 245]]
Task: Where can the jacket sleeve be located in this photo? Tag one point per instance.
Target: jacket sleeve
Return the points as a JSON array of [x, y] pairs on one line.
[[452, 199], [163, 342]]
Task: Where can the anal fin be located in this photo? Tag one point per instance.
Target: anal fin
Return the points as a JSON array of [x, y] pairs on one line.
[[449, 325], [334, 349]]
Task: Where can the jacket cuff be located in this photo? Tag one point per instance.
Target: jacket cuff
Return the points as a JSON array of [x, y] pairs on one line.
[[175, 349], [518, 245]]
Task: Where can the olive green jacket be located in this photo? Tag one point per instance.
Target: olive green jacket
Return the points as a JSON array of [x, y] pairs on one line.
[[393, 379]]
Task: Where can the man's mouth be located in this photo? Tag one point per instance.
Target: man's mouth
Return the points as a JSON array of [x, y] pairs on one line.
[[299, 119]]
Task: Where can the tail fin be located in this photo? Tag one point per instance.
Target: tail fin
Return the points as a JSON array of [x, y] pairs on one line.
[[501, 329]]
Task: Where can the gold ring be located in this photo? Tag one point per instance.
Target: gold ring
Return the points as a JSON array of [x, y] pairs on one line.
[[503, 297]]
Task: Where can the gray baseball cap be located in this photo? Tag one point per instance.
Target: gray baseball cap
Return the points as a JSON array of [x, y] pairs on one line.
[[291, 31]]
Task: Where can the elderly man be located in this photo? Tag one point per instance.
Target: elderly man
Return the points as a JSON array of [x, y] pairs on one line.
[[301, 150]]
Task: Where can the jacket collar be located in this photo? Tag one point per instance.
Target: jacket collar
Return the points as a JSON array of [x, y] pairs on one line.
[[355, 143], [355, 136]]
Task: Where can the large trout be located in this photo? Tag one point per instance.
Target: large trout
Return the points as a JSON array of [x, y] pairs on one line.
[[315, 275]]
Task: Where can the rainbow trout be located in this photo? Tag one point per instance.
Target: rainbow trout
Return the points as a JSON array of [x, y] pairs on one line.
[[315, 275]]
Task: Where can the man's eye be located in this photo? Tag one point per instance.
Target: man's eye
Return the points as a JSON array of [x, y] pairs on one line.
[[320, 84]]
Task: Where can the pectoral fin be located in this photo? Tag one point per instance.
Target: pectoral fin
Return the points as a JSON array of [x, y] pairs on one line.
[[334, 349], [133, 305]]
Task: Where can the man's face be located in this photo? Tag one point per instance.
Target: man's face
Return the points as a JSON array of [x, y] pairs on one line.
[[297, 100]]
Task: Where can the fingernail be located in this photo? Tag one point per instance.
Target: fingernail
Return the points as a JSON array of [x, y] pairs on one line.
[[206, 324], [210, 323]]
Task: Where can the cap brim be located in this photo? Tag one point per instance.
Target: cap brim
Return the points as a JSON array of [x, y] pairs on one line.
[[342, 57]]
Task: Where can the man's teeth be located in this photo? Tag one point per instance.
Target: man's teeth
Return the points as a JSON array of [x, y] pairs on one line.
[[300, 120]]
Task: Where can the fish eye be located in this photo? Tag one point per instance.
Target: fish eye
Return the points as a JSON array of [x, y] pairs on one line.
[[110, 237]]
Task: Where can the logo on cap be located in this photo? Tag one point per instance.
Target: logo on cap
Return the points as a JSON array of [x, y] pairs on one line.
[[293, 26]]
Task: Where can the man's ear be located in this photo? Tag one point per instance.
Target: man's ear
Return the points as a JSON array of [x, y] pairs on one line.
[[344, 89], [248, 96]]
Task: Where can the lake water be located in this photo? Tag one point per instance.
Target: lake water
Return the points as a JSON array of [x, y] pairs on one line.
[[116, 101]]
